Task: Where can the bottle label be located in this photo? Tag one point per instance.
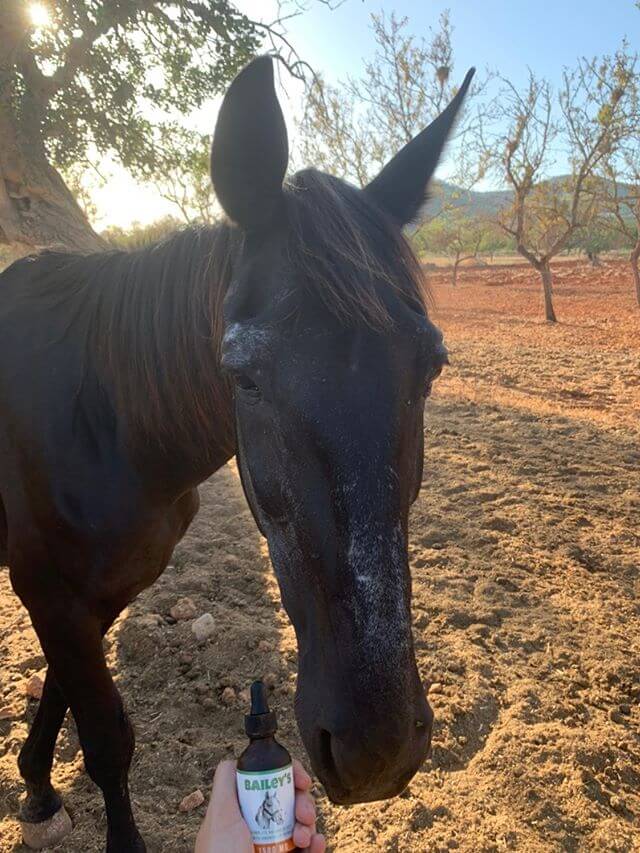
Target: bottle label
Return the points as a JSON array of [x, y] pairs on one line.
[[267, 803]]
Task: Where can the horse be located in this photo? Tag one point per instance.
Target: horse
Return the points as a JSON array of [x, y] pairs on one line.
[[294, 334], [270, 811]]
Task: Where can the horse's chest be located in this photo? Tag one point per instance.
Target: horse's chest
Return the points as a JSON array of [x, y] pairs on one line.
[[121, 564], [93, 523], [147, 554]]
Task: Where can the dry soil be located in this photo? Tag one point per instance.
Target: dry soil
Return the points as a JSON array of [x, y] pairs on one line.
[[525, 560]]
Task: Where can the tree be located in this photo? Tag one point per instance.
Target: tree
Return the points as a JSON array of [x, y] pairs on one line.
[[597, 237], [354, 128], [90, 76], [80, 79], [181, 173], [588, 121], [138, 236], [621, 197], [620, 170], [456, 234]]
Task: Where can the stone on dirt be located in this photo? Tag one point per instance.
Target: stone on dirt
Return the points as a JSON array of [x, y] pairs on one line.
[[228, 696], [183, 609], [34, 688], [9, 713], [192, 801], [203, 627], [37, 836]]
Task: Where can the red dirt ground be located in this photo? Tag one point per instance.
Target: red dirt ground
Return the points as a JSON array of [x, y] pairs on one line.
[[525, 559]]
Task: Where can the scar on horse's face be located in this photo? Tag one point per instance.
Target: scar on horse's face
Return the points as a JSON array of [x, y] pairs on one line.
[[329, 422]]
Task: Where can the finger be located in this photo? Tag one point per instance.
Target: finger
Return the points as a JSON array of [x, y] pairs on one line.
[[300, 776], [318, 844], [225, 777], [305, 808], [302, 836], [225, 769]]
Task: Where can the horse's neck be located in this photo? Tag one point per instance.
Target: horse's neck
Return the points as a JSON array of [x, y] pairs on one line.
[[164, 325]]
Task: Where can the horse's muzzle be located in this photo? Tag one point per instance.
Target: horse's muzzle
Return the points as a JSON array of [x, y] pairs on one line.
[[368, 763]]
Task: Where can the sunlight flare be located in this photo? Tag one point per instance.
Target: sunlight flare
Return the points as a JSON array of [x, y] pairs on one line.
[[40, 15]]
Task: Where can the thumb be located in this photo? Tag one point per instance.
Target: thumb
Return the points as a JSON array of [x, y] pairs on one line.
[[223, 805]]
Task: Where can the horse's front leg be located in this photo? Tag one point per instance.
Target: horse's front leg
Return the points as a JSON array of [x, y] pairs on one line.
[[71, 638], [44, 821]]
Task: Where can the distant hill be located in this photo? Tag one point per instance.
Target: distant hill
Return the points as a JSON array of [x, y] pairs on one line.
[[485, 203]]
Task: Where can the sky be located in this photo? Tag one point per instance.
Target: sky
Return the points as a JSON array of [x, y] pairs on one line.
[[506, 36]]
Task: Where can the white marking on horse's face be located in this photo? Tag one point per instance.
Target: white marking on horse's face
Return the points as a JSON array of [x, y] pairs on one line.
[[379, 604], [243, 343]]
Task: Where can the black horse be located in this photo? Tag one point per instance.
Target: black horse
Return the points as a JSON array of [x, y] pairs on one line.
[[294, 336]]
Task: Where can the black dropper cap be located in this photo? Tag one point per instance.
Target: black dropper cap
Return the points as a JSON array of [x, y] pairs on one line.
[[261, 722]]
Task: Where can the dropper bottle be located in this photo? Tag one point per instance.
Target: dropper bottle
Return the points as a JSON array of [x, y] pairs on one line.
[[265, 780]]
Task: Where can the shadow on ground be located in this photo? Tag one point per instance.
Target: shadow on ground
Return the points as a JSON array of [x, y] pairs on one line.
[[524, 552]]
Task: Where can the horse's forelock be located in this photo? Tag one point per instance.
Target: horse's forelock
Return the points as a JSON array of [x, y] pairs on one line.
[[346, 249]]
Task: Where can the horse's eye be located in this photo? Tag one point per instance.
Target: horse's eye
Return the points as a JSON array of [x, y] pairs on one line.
[[246, 385]]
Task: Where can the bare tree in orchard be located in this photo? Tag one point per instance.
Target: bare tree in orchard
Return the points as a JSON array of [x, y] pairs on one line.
[[620, 171], [621, 198], [587, 122], [353, 128], [457, 235]]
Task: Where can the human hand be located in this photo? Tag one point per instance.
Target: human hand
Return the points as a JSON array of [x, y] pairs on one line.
[[224, 830]]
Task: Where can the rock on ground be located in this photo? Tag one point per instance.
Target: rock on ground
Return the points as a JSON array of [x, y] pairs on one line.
[[203, 627]]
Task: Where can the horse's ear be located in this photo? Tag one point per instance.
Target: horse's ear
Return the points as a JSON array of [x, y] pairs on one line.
[[250, 150], [401, 187]]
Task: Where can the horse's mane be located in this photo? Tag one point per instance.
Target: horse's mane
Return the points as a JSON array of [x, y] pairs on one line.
[[147, 324], [153, 317]]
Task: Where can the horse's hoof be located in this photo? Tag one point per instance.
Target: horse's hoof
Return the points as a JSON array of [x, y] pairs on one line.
[[131, 845], [47, 832]]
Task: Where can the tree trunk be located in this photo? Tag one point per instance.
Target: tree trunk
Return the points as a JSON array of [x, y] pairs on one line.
[[36, 207], [454, 275], [634, 259], [547, 288]]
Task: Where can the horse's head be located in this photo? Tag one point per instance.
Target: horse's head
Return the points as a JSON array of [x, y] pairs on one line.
[[332, 352]]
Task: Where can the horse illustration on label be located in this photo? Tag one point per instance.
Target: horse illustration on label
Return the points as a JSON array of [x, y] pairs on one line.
[[270, 812]]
